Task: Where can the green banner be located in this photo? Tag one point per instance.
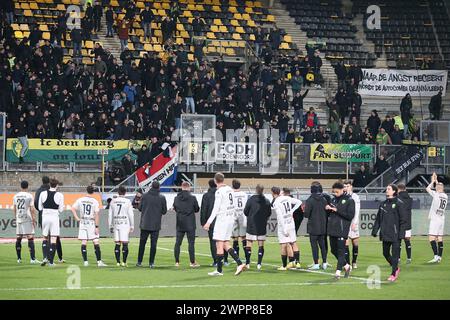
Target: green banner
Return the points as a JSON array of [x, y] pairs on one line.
[[69, 150], [341, 152]]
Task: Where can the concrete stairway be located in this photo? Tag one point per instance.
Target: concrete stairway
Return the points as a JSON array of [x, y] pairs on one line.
[[110, 44]]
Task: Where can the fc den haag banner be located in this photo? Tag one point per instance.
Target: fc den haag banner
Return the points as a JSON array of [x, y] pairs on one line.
[[391, 82], [341, 152], [69, 150]]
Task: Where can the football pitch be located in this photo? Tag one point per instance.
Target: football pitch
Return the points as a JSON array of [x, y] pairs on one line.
[[417, 280]]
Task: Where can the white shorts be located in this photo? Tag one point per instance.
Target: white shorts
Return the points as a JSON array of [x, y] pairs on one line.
[[353, 234], [252, 237], [408, 233], [87, 233], [121, 234], [25, 228], [436, 227], [291, 237], [240, 226], [223, 230], [50, 225]]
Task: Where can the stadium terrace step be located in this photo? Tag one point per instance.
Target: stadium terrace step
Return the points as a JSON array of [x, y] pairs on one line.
[[110, 44]]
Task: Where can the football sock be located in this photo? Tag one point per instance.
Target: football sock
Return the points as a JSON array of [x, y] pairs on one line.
[[434, 247], [44, 249], [236, 246], [125, 252], [244, 243], [347, 254], [98, 253], [291, 259], [117, 252], [51, 252], [408, 248], [297, 256], [260, 254], [84, 252], [248, 253], [59, 248], [19, 248], [234, 255], [440, 248], [219, 262], [31, 247], [284, 260], [355, 250], [225, 256]]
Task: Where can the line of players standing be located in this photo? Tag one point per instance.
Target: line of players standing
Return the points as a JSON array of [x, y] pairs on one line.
[[228, 213]]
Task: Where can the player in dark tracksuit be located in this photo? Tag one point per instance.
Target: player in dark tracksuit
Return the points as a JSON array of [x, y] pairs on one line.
[[205, 212], [317, 217], [407, 200], [391, 222], [342, 211]]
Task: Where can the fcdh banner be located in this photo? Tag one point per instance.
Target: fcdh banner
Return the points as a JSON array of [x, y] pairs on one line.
[[341, 152], [69, 150], [391, 82]]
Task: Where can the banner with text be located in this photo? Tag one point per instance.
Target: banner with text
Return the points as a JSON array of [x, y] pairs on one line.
[[341, 152], [391, 82], [69, 150], [239, 152]]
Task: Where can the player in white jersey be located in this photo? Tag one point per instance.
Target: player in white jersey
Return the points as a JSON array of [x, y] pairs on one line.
[[25, 221], [223, 212], [89, 209], [437, 218], [121, 223], [284, 207], [51, 203], [240, 220], [353, 234]]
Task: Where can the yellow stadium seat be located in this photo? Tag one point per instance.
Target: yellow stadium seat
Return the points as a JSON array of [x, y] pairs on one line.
[[179, 41], [258, 4], [157, 5], [130, 46], [154, 25], [233, 3], [162, 12], [249, 4], [284, 46], [43, 27], [191, 7], [157, 48], [252, 37], [237, 36], [60, 7], [148, 47], [166, 6], [15, 26], [246, 16], [215, 43], [25, 6], [240, 30], [27, 13], [217, 22], [140, 5], [180, 27], [234, 23], [238, 16], [184, 34], [18, 34], [241, 44], [46, 35], [248, 10], [210, 35], [24, 27], [223, 29], [34, 6], [87, 60], [232, 9], [212, 49], [89, 44], [251, 23], [270, 18], [157, 33], [288, 38], [216, 9], [199, 7], [214, 28]]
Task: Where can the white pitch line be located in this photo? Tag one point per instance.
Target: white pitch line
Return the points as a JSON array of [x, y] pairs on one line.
[[182, 286], [361, 279]]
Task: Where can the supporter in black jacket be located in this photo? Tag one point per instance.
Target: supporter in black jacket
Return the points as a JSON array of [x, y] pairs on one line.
[[257, 210], [143, 155], [153, 206], [205, 212], [185, 206], [342, 211], [407, 200], [317, 224], [391, 222]]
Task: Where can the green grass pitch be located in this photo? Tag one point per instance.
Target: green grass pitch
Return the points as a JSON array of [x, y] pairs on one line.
[[417, 280]]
